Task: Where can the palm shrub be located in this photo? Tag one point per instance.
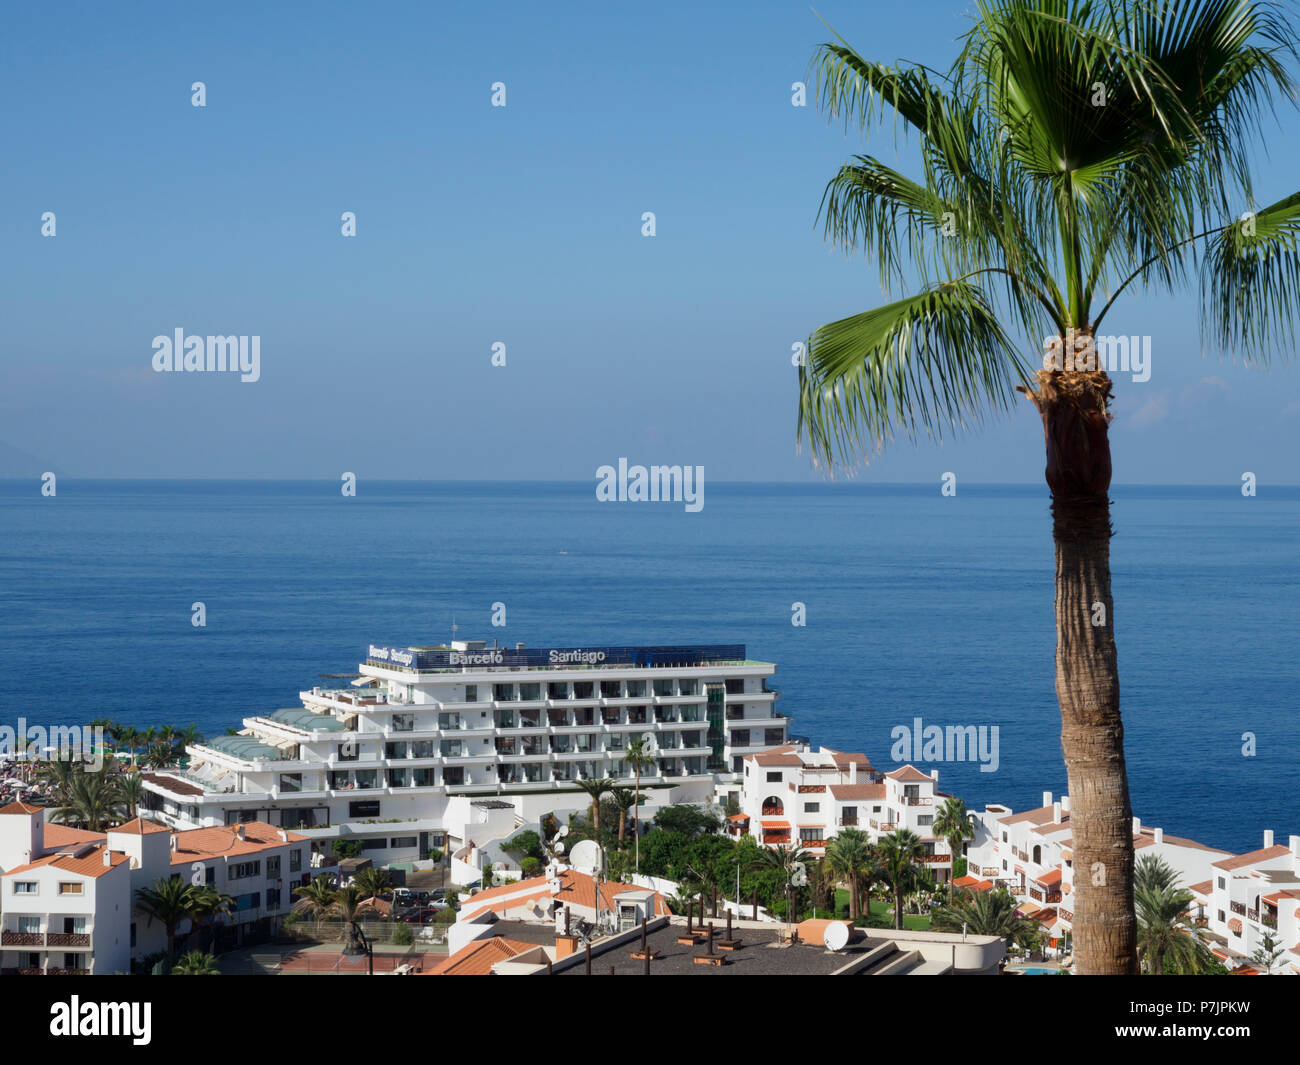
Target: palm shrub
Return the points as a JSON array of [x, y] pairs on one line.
[[1074, 152]]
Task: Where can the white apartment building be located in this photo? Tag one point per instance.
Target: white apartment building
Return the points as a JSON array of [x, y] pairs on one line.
[[1253, 895], [1030, 854], [64, 909], [68, 897], [395, 760], [800, 797]]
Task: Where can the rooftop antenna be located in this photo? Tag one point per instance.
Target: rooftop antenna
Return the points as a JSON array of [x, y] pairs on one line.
[[453, 628]]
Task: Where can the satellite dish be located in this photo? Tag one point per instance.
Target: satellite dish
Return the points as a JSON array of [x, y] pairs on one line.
[[836, 936], [558, 848], [587, 856], [564, 831]]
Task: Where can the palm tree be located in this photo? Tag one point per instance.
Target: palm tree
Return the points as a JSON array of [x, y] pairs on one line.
[[196, 963], [127, 738], [316, 898], [596, 788], [637, 756], [91, 801], [1166, 931], [1071, 151], [625, 799], [953, 825], [130, 792], [160, 756], [346, 907], [209, 904], [848, 855], [899, 851], [792, 862], [1154, 874], [169, 902], [984, 913], [375, 882]]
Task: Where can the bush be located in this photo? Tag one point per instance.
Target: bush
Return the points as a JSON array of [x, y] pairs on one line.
[[530, 867], [435, 855], [403, 936]]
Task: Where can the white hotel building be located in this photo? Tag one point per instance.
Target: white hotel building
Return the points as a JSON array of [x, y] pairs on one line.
[[431, 742], [794, 796]]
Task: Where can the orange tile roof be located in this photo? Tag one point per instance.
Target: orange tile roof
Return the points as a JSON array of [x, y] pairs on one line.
[[778, 756], [90, 864], [1242, 860], [846, 758], [19, 808], [477, 958], [1147, 837], [1048, 879], [576, 889], [857, 791], [139, 827], [1203, 888], [965, 881], [910, 773], [55, 835], [1041, 816], [224, 842], [738, 817]]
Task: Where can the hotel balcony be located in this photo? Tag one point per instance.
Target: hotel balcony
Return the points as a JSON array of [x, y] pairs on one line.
[[45, 940]]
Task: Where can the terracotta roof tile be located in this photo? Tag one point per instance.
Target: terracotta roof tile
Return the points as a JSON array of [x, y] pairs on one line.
[[477, 958], [1242, 860], [90, 864], [910, 774], [199, 843]]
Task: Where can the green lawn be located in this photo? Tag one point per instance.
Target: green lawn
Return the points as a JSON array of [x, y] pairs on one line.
[[879, 908]]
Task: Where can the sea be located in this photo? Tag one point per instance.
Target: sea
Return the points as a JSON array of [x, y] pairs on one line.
[[882, 606]]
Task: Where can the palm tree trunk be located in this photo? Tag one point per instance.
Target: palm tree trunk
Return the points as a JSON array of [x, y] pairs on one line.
[[898, 905], [1074, 409]]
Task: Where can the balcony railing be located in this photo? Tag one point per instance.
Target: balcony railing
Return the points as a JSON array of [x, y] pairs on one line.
[[1252, 915], [22, 939], [1238, 907], [67, 939]]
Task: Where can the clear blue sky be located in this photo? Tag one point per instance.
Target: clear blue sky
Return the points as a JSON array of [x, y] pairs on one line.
[[478, 224]]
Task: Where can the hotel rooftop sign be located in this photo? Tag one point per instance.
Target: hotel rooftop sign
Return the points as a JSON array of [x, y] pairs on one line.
[[556, 657]]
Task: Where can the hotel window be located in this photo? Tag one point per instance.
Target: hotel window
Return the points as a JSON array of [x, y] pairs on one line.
[[295, 861], [403, 722], [471, 693], [397, 778], [503, 693], [772, 736], [70, 887], [243, 870], [396, 750], [1220, 912], [29, 924], [367, 778], [610, 689], [1222, 884], [379, 844], [635, 689], [272, 898], [273, 867], [925, 820], [291, 782], [530, 693], [774, 778], [810, 835], [557, 690], [26, 887], [399, 843], [740, 737], [812, 807]]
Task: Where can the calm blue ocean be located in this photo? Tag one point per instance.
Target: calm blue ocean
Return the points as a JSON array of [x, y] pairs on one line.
[[917, 606]]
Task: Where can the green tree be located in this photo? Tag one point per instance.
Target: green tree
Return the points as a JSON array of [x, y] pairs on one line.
[[899, 852], [209, 903], [316, 899], [637, 756], [625, 799], [983, 913], [196, 963], [688, 819], [1071, 152], [169, 902], [953, 825], [849, 856], [92, 800], [595, 788], [376, 882], [130, 793], [1267, 953], [1166, 930]]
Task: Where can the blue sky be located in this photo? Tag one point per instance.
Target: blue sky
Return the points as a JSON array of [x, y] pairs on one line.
[[478, 224]]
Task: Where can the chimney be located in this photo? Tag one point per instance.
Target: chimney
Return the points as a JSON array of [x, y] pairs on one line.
[[172, 841], [934, 775], [1268, 838], [1137, 826], [1294, 841], [239, 831], [1047, 798], [108, 858], [1065, 804], [284, 836], [853, 772], [1159, 834], [1056, 813]]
